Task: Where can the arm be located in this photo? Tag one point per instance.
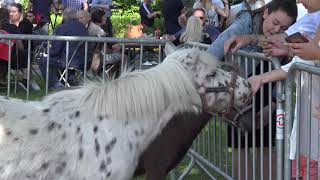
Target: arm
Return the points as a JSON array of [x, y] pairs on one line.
[[96, 3], [223, 12], [257, 81], [237, 42]]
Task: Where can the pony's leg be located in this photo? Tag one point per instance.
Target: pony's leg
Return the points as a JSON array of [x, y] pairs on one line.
[[156, 174]]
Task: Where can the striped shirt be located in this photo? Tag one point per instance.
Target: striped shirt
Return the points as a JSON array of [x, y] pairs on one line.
[[73, 4]]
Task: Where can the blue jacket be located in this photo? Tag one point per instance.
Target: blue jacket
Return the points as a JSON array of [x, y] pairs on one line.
[[58, 48]]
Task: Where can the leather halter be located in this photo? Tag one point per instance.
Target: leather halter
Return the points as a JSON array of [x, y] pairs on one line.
[[231, 107], [230, 89]]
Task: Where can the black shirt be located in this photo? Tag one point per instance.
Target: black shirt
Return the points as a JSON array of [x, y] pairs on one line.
[[171, 12], [144, 10]]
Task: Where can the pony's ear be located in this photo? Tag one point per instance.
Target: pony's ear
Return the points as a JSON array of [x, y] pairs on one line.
[[169, 48]]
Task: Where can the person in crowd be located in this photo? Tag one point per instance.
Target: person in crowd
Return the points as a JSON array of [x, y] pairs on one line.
[[274, 45], [193, 32], [210, 30], [274, 18], [31, 17], [183, 18], [106, 5], [113, 50], [17, 46], [146, 13], [70, 27], [303, 53], [213, 10], [17, 18], [77, 5], [172, 9], [40, 9], [93, 29]]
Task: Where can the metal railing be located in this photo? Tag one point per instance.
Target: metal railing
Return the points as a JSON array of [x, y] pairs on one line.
[[302, 85], [127, 45], [219, 155]]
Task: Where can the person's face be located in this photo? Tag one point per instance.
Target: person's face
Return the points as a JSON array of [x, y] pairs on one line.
[[201, 15], [311, 5], [104, 20], [84, 19], [14, 14], [276, 22], [30, 17]]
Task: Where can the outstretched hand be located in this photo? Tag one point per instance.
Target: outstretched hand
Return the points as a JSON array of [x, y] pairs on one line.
[[256, 83], [235, 43], [306, 51]]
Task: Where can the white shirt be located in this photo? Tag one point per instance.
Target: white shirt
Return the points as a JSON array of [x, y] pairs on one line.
[[304, 112], [307, 24]]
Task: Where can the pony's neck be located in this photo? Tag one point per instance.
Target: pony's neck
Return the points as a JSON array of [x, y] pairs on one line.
[[145, 94]]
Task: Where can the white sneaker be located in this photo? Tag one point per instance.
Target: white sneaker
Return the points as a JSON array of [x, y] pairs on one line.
[[147, 63], [154, 62]]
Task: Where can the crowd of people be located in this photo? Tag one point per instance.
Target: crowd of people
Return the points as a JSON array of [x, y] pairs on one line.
[[258, 29]]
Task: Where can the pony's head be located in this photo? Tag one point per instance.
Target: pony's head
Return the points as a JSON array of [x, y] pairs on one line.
[[219, 90]]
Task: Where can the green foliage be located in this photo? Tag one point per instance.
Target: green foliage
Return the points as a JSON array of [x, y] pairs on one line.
[[130, 14]]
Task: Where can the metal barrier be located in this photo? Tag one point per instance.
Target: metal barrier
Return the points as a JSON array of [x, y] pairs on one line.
[[127, 45], [219, 155], [218, 151], [307, 121]]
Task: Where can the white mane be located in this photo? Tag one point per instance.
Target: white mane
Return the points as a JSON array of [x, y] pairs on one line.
[[145, 94]]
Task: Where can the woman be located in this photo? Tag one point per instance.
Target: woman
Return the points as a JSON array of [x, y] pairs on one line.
[[25, 27], [146, 13], [212, 11], [194, 31]]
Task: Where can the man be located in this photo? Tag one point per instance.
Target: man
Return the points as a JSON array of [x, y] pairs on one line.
[[40, 9], [210, 30], [70, 27], [75, 4], [275, 18], [171, 11]]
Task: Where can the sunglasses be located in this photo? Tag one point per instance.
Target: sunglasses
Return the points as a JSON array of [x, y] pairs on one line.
[[30, 16], [202, 18]]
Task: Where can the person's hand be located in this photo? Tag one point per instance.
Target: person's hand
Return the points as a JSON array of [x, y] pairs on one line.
[[116, 47], [256, 83], [273, 46], [85, 6], [316, 112], [168, 37], [235, 43], [306, 51]]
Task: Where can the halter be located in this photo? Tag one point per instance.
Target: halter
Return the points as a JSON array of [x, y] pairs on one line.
[[231, 107]]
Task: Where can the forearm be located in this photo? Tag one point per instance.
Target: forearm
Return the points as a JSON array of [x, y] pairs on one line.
[[272, 76]]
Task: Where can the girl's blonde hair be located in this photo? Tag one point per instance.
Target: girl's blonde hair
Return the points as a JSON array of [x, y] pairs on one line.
[[206, 3], [193, 32]]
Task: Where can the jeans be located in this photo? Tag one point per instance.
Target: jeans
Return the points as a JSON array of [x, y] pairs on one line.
[[53, 72], [242, 25]]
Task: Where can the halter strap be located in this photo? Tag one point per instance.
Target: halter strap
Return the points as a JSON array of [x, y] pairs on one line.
[[229, 89]]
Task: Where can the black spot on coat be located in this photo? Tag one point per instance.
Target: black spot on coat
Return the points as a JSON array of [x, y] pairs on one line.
[[96, 146], [33, 131]]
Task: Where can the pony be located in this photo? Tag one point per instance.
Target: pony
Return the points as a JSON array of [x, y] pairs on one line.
[[99, 131]]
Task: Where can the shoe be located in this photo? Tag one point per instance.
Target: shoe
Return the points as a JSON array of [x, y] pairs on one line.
[[23, 84], [154, 62], [57, 86], [33, 85], [147, 63]]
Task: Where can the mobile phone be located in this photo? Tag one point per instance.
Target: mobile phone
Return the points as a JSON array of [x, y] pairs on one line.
[[296, 38]]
